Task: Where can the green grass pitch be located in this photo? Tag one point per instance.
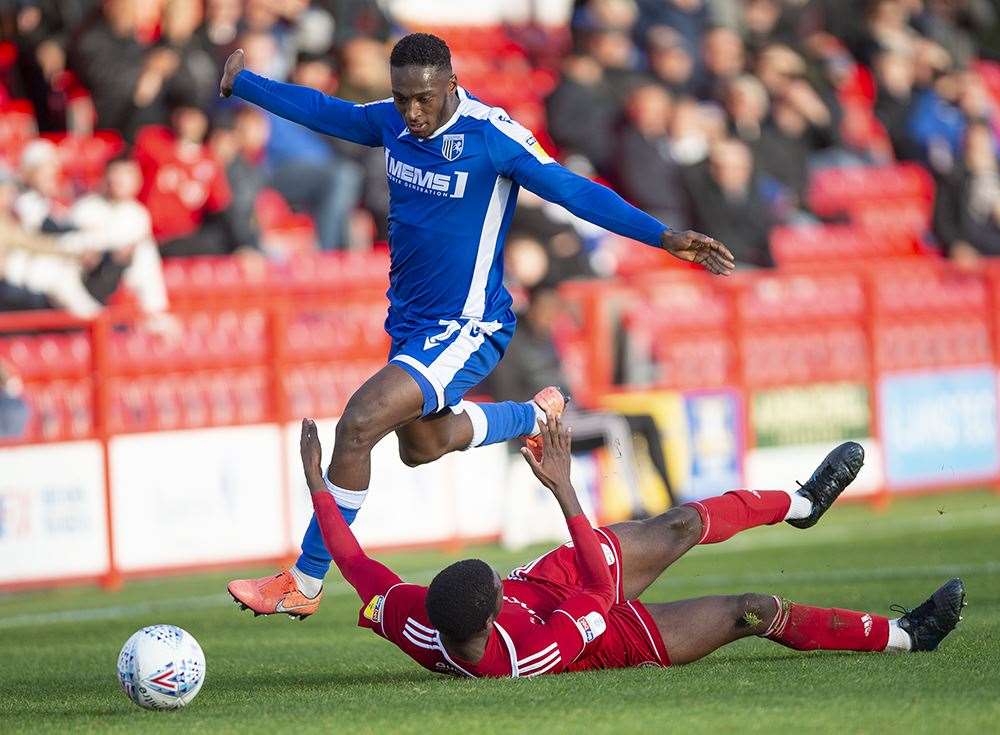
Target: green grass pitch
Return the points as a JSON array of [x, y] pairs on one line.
[[268, 675]]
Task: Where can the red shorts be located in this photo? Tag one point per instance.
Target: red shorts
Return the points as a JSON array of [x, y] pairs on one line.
[[632, 638]]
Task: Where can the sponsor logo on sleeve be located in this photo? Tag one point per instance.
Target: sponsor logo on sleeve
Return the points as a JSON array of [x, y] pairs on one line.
[[373, 611], [591, 626]]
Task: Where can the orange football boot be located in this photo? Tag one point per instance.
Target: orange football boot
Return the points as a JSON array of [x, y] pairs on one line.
[[275, 594], [550, 400]]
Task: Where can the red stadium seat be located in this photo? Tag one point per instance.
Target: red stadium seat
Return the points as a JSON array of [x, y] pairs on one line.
[[782, 355], [907, 344], [832, 244], [17, 129], [927, 288], [835, 191], [797, 297]]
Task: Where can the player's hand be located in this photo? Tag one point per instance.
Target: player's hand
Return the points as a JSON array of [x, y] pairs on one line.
[[234, 65], [553, 470], [312, 455], [701, 249]]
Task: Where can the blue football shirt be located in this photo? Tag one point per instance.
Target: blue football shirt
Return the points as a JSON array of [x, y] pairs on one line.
[[451, 197]]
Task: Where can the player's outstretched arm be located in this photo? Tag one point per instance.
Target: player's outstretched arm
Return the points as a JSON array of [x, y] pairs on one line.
[[305, 106], [554, 473], [602, 206], [517, 155], [367, 576]]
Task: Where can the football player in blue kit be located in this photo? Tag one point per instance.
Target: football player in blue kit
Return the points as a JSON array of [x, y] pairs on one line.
[[454, 165]]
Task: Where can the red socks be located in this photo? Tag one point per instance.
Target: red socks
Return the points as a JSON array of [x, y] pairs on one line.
[[807, 628], [726, 515]]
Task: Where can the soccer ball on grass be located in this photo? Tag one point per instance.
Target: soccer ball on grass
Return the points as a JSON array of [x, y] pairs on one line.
[[161, 667]]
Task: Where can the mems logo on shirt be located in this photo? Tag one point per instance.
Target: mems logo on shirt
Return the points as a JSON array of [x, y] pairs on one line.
[[373, 611], [435, 184]]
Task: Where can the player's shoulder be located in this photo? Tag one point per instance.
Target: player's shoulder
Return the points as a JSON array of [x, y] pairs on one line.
[[499, 127], [382, 113]]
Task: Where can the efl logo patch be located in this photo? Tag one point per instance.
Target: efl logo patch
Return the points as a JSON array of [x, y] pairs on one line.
[[609, 555], [452, 146], [591, 626], [866, 620], [374, 610]]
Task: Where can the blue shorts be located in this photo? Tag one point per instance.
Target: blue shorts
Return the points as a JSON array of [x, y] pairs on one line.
[[450, 358]]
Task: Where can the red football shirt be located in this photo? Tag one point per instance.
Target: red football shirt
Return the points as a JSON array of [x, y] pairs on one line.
[[540, 630], [181, 184]]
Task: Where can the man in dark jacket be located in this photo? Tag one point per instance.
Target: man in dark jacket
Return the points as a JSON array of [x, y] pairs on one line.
[[726, 203], [648, 173]]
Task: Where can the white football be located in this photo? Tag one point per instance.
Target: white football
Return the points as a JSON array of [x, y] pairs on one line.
[[161, 667]]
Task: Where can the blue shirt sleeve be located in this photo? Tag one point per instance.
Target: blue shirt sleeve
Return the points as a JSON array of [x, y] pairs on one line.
[[308, 107], [517, 155]]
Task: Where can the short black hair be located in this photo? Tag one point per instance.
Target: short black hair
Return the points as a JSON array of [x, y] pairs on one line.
[[461, 598], [421, 49]]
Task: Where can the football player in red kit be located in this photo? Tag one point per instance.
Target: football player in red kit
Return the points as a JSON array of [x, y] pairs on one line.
[[575, 608]]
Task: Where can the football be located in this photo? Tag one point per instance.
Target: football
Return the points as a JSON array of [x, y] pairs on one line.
[[161, 667]]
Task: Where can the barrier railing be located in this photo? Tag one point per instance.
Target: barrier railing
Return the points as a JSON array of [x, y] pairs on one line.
[[903, 356]]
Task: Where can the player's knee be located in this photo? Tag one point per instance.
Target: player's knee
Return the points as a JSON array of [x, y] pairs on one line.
[[683, 525], [358, 428], [753, 612], [414, 454]]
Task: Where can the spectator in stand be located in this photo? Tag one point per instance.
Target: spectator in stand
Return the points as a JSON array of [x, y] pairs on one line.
[[650, 177], [941, 115], [308, 171], [724, 59], [747, 107], [783, 151], [14, 411], [532, 361], [36, 271], [540, 221], [196, 77], [954, 23], [357, 18], [117, 213], [185, 188], [582, 113], [127, 83], [220, 29], [967, 208], [690, 18], [888, 28], [670, 62], [238, 141], [619, 58], [895, 78], [727, 203], [364, 71], [365, 78], [43, 30], [784, 74]]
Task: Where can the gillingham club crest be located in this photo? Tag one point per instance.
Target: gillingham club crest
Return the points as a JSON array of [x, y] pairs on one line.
[[452, 146]]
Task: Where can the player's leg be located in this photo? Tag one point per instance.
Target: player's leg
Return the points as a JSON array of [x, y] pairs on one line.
[[649, 546], [446, 365], [386, 401], [692, 629], [471, 424]]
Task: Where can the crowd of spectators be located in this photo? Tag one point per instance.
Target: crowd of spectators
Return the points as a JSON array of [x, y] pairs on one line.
[[713, 114], [710, 114]]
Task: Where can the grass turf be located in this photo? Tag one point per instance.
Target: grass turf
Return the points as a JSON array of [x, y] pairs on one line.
[[58, 648]]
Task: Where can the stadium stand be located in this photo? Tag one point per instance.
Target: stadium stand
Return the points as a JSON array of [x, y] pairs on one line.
[[866, 282]]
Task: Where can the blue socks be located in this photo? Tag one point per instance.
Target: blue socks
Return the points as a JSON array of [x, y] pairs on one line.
[[315, 559], [493, 423]]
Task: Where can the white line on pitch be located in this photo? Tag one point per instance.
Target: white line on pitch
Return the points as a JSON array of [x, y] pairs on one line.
[[341, 590]]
